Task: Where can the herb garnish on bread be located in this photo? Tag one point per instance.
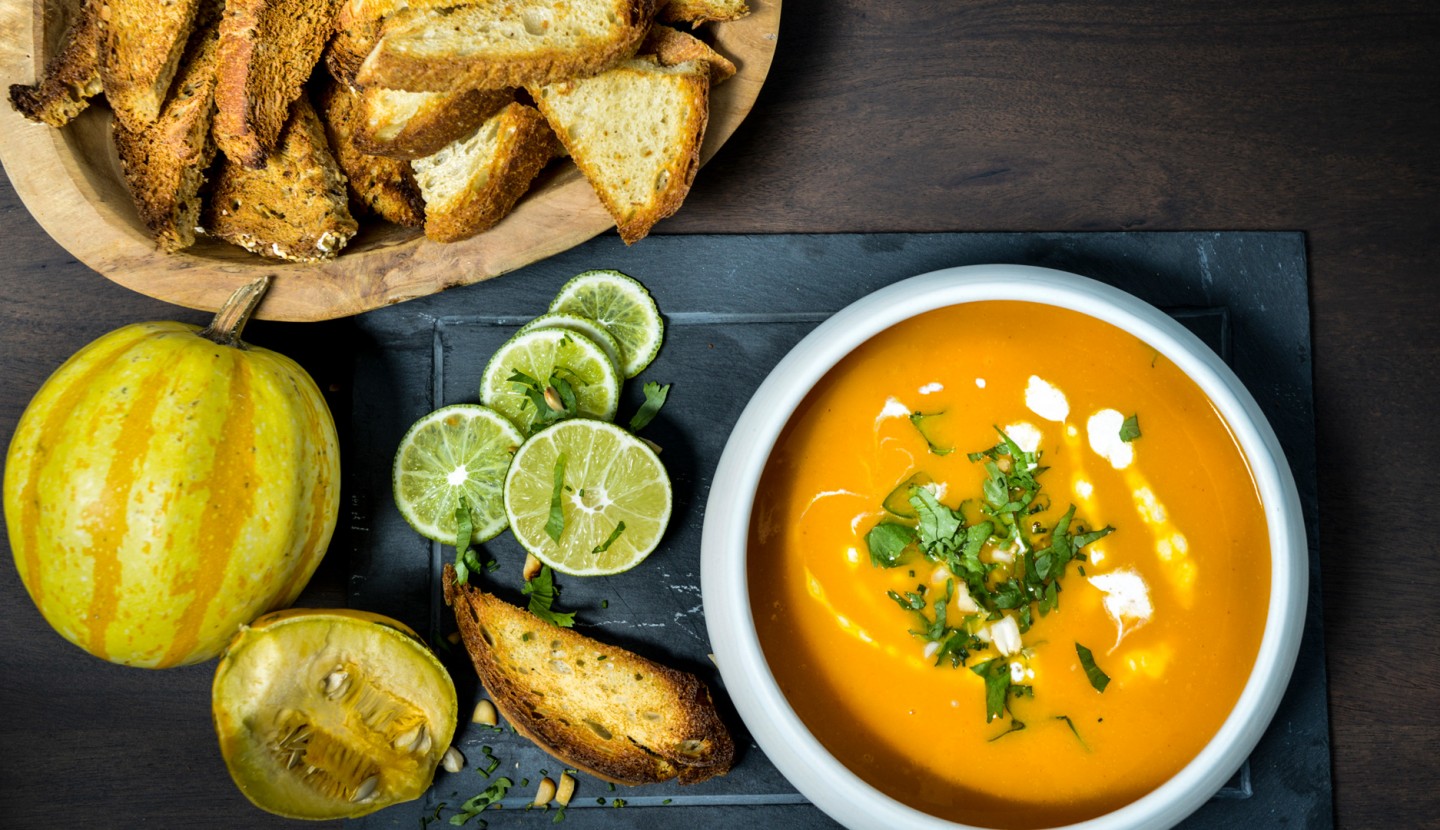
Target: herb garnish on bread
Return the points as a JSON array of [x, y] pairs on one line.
[[604, 710]]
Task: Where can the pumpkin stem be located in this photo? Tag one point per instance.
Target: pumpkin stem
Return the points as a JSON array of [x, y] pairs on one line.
[[230, 320]]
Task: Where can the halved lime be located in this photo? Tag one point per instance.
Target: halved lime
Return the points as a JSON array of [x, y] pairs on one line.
[[461, 450], [540, 355], [608, 476], [624, 307], [582, 325]]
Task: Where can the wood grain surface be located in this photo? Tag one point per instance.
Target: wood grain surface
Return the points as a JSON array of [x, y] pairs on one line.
[[1311, 115], [70, 180]]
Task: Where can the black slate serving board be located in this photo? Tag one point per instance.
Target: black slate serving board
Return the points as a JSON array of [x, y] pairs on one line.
[[734, 306]]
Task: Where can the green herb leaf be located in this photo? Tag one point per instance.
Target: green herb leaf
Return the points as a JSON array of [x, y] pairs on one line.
[[654, 399], [1015, 726], [888, 542], [912, 601], [1098, 678], [542, 591], [614, 534], [1073, 730], [474, 806], [919, 419], [555, 525], [1130, 430], [996, 672], [938, 523], [465, 558], [898, 502]]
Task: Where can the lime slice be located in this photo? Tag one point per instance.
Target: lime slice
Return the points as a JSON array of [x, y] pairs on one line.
[[623, 307], [580, 325], [541, 354], [456, 450], [609, 477]]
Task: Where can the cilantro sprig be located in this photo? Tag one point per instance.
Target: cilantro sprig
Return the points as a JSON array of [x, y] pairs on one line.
[[1025, 583], [543, 591]]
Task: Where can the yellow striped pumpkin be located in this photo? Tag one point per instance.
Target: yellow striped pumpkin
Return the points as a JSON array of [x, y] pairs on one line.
[[169, 484]]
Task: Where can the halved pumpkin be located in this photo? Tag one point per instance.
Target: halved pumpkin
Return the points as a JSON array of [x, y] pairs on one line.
[[325, 714]]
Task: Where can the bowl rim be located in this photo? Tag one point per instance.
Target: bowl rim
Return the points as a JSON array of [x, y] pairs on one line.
[[798, 755]]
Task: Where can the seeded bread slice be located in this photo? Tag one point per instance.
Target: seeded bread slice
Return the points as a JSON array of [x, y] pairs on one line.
[[383, 186], [696, 12], [411, 125], [473, 183], [635, 132], [268, 49], [141, 43], [355, 35], [72, 75], [601, 709], [164, 163], [294, 207], [498, 45], [671, 46]]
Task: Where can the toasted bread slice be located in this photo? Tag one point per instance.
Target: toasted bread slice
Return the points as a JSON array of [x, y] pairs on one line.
[[355, 35], [671, 47], [383, 186], [412, 125], [607, 711], [268, 49], [696, 12], [164, 163], [141, 43], [474, 182], [498, 45], [72, 75], [294, 207], [635, 132]]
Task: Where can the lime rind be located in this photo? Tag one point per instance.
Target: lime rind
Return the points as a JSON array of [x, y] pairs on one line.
[[624, 307], [610, 476], [580, 325], [461, 450], [538, 353]]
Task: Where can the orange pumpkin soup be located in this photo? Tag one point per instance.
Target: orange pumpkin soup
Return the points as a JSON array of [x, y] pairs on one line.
[[1009, 565]]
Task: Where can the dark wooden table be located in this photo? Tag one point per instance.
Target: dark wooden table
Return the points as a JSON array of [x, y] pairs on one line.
[[1313, 115]]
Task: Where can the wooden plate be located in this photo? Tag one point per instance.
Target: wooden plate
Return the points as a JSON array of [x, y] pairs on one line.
[[70, 181]]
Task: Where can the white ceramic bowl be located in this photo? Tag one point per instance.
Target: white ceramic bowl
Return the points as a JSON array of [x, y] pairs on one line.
[[798, 755]]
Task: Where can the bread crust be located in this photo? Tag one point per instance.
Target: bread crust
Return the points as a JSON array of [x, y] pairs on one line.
[[443, 118], [164, 163], [689, 743], [72, 75], [404, 59], [141, 43], [295, 207], [268, 49], [525, 145], [696, 12], [383, 186], [672, 47], [676, 171]]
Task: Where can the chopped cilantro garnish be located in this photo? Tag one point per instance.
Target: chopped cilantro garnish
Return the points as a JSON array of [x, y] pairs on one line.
[[1098, 678], [1073, 730], [614, 534], [555, 525], [465, 558], [474, 806], [1130, 430], [919, 419], [996, 672], [888, 542], [654, 399], [542, 591]]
